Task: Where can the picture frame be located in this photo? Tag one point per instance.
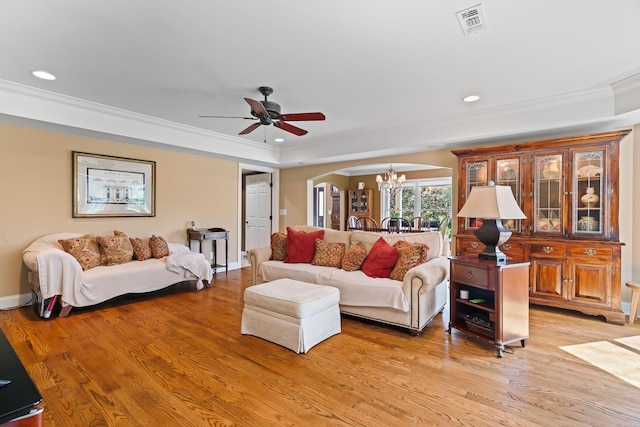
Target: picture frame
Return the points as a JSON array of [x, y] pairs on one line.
[[110, 186]]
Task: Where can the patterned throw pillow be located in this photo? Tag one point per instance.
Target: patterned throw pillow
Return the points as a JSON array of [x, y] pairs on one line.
[[278, 246], [354, 257], [141, 249], [159, 247], [408, 257], [301, 246], [85, 249], [115, 249], [381, 259], [328, 254]]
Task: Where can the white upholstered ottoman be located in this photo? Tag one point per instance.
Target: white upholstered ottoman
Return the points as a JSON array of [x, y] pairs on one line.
[[293, 314]]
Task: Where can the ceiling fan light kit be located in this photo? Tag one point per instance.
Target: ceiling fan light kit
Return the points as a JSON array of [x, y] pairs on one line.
[[268, 113]]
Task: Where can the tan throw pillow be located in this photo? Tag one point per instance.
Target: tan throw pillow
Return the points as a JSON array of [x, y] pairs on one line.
[[141, 249], [354, 257], [328, 254], [85, 249], [159, 246], [408, 257], [278, 246], [115, 249]]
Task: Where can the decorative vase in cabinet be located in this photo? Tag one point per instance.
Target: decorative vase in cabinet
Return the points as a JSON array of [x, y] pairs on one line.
[[590, 199]]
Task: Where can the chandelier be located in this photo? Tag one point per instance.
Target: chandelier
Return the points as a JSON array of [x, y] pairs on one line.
[[391, 181]]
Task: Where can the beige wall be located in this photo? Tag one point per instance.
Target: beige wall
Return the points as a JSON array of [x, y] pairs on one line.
[[35, 172]]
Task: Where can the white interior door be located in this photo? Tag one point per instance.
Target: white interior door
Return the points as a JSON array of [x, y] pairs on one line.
[[257, 210]]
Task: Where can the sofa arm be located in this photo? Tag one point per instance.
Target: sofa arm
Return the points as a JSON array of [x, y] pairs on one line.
[[256, 257], [54, 268], [424, 277]]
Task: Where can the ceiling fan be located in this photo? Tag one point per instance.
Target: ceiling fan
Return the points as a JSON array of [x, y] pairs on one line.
[[268, 113]]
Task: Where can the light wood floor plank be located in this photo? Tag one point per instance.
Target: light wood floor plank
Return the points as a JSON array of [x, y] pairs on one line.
[[176, 357]]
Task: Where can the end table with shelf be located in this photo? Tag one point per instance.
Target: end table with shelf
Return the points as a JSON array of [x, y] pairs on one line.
[[213, 234], [496, 305]]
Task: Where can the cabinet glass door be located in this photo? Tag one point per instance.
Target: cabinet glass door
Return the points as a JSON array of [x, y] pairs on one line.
[[477, 173], [364, 203], [354, 201], [588, 188], [548, 193], [508, 173]]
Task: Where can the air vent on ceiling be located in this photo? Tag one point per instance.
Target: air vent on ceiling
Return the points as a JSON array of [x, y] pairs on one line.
[[472, 19]]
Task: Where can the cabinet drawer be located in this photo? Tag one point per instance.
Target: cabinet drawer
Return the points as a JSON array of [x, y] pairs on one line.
[[591, 251], [470, 275], [514, 251], [548, 249]]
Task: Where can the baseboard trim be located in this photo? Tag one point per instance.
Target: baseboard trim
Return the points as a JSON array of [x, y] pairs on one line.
[[14, 301]]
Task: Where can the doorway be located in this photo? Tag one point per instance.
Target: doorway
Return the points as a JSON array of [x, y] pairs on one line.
[[257, 204]]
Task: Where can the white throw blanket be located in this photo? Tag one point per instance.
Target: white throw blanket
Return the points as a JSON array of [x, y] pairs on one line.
[[194, 262]]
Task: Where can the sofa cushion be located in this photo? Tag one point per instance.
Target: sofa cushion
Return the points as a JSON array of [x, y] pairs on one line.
[[330, 236], [354, 257], [278, 246], [141, 249], [115, 249], [159, 246], [381, 259], [328, 254], [85, 249], [409, 255], [273, 270], [358, 289], [301, 246], [433, 239]]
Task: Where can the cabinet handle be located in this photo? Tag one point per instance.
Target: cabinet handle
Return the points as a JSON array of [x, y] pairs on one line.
[[469, 274], [474, 245], [547, 249], [590, 252], [506, 247]]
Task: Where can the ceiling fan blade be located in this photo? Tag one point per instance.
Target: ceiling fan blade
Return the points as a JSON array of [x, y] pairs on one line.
[[250, 129], [297, 117], [257, 107], [228, 117], [290, 128]]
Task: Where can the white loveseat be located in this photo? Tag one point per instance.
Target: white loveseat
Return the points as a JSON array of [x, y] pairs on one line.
[[56, 272], [411, 303]]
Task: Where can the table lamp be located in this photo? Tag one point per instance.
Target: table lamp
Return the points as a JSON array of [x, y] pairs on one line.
[[492, 203]]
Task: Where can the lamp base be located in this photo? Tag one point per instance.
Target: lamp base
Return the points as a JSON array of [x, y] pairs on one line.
[[498, 256], [493, 234]]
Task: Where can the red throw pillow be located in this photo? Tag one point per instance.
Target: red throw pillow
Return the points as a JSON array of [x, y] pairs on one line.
[[381, 259], [301, 246]]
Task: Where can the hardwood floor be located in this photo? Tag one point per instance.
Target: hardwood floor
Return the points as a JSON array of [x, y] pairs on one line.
[[177, 358]]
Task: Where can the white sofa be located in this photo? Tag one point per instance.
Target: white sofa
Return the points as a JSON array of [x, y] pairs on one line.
[[409, 304], [55, 272]]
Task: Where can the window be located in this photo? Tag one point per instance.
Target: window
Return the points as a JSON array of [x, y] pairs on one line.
[[433, 203]]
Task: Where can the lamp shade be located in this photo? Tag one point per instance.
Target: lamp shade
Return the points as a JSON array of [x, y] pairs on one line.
[[491, 202]]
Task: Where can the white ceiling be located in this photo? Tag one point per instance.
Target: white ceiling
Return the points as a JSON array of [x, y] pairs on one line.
[[389, 76]]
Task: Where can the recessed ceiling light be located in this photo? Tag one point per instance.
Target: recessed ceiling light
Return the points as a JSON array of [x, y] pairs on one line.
[[279, 140], [471, 98], [44, 75]]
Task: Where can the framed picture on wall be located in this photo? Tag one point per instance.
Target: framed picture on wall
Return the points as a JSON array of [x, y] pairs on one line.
[[108, 186]]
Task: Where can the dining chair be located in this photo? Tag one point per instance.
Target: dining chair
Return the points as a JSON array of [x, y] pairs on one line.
[[368, 224], [444, 224], [353, 223], [416, 223]]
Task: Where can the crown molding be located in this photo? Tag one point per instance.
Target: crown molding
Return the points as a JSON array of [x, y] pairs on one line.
[[49, 107], [627, 94]]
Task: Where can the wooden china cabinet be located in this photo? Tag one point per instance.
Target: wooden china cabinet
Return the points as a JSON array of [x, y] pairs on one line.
[[360, 202], [568, 189]]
